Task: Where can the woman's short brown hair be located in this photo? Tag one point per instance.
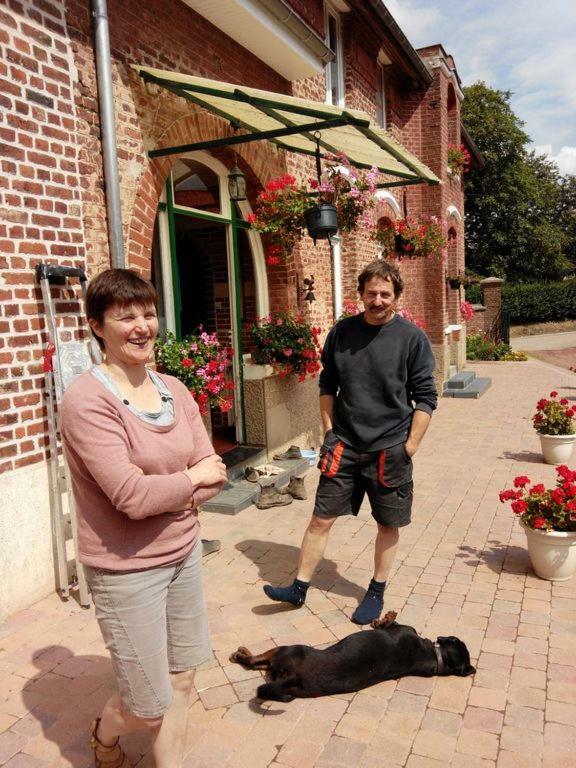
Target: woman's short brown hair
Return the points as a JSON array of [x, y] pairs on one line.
[[385, 271], [117, 288]]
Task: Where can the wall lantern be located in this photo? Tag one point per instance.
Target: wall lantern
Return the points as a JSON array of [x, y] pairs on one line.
[[237, 184]]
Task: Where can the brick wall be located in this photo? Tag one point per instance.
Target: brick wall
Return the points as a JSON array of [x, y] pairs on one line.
[[52, 185], [40, 209]]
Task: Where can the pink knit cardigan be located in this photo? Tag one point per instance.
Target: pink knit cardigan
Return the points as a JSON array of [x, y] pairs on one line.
[[127, 477]]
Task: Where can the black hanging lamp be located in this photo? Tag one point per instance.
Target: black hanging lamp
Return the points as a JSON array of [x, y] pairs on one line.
[[322, 218], [236, 184]]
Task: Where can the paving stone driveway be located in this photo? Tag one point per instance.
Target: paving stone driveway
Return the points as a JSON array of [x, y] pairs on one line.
[[462, 569]]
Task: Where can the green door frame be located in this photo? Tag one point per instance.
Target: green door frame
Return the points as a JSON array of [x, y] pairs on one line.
[[234, 287]]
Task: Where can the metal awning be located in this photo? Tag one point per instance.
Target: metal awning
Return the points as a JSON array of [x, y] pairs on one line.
[[291, 123]]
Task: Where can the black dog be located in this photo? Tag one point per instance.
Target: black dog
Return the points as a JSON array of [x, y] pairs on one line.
[[357, 661]]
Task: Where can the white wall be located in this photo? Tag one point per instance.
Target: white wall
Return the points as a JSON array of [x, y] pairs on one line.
[[26, 570]]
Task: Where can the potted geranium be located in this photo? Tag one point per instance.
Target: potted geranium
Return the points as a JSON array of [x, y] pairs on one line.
[[200, 362], [458, 159], [288, 343], [554, 422], [548, 518], [411, 238]]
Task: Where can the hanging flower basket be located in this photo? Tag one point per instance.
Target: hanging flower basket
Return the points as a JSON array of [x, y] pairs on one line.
[[399, 244], [285, 209], [321, 221], [411, 238]]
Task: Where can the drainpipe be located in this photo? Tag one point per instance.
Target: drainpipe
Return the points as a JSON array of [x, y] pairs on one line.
[[108, 131]]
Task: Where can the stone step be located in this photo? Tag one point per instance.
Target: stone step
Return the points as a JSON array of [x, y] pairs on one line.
[[460, 380], [238, 493], [473, 391]]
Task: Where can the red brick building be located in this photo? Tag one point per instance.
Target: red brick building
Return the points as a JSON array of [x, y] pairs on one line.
[[53, 207]]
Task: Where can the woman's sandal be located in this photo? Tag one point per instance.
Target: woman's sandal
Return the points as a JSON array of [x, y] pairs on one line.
[[115, 755]]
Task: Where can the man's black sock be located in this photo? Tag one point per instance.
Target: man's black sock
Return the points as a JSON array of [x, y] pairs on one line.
[[372, 603], [294, 594]]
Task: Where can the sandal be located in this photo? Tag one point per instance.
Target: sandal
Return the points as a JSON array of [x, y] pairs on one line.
[[116, 756]]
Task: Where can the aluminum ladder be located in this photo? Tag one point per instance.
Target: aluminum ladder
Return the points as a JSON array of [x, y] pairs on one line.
[[63, 362]]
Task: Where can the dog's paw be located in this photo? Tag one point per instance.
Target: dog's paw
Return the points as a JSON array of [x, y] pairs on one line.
[[388, 619], [242, 654]]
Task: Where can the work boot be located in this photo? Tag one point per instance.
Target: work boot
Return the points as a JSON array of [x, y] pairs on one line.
[[292, 453], [251, 474], [296, 488], [270, 496]]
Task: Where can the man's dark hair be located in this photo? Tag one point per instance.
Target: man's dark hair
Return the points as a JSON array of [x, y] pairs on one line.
[[117, 288], [384, 270]]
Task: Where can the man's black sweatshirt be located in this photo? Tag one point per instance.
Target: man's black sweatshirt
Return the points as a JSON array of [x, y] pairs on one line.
[[379, 374]]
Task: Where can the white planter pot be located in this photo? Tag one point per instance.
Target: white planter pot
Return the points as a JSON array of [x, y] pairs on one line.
[[552, 553], [557, 449]]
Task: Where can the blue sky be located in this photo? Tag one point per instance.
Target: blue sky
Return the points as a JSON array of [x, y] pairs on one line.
[[525, 46]]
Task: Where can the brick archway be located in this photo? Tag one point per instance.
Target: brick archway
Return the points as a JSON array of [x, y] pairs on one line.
[[259, 161]]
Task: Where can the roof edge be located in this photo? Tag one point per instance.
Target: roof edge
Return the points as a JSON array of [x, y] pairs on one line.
[[420, 68]]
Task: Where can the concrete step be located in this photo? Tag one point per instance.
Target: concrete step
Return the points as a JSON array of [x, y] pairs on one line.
[[238, 493], [473, 391], [460, 380]]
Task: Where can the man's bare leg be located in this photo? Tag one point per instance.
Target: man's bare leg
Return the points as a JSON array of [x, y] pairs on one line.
[[385, 548], [311, 552], [313, 546]]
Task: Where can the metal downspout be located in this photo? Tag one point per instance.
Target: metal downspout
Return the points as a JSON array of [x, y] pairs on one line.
[[108, 131]]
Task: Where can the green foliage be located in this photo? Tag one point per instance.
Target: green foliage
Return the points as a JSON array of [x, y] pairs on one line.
[[539, 303], [288, 343], [520, 214], [480, 347], [534, 302], [474, 294]]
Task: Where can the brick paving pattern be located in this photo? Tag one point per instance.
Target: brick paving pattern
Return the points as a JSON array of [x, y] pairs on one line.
[[462, 569]]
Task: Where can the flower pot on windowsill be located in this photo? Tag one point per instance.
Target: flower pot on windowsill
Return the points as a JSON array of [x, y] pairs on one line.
[[557, 449], [552, 553], [321, 221]]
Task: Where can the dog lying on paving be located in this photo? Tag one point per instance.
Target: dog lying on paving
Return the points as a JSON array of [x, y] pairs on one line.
[[355, 662]]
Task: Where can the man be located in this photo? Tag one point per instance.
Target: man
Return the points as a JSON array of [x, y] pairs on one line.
[[377, 395]]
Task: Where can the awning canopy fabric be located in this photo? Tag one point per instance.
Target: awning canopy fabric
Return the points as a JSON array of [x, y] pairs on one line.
[[292, 124]]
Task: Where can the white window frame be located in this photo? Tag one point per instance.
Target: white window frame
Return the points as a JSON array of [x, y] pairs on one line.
[[332, 13]]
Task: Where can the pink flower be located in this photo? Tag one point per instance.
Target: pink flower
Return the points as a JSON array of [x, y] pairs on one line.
[[287, 351]]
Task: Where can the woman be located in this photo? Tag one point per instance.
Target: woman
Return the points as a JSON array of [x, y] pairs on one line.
[[141, 463]]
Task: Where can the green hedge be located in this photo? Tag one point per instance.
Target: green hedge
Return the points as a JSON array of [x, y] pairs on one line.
[[535, 302], [474, 294]]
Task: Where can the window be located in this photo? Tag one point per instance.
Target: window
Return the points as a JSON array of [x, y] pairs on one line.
[[381, 97], [196, 186], [334, 70]]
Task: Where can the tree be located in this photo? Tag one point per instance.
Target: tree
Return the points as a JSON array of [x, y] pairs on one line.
[[517, 205]]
